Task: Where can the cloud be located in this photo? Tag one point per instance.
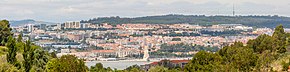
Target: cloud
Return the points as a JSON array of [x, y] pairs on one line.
[[25, 12], [70, 10], [248, 8]]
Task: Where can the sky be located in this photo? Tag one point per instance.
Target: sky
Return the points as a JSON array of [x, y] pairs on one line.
[[75, 10]]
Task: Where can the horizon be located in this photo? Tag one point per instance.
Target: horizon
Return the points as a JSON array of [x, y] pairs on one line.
[[72, 10], [144, 16], [144, 35]]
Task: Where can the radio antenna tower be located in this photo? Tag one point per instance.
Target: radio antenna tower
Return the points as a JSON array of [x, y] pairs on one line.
[[234, 9]]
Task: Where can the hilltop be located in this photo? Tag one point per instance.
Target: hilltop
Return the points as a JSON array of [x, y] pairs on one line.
[[27, 21], [251, 20]]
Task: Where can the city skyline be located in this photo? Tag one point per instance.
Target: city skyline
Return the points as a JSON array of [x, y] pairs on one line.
[[68, 10], [144, 35]]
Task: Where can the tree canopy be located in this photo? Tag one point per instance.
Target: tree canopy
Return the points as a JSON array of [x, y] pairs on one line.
[[5, 32], [66, 63], [256, 55], [257, 21]]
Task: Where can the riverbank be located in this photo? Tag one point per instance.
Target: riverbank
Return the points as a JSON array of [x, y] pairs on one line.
[[123, 64]]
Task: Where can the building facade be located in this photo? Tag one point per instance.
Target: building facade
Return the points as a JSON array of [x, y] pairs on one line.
[[72, 25]]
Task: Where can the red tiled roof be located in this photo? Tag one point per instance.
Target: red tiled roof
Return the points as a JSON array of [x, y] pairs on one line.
[[102, 51], [154, 63], [179, 61]]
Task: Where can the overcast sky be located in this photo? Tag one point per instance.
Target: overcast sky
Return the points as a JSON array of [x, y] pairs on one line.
[[75, 10]]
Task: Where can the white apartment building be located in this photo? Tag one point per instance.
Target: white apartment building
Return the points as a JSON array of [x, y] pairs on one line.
[[72, 24]]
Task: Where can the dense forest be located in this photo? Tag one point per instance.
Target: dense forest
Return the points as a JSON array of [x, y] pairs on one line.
[[263, 54], [256, 21]]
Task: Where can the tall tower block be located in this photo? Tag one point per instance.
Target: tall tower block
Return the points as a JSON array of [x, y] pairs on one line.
[[234, 10]]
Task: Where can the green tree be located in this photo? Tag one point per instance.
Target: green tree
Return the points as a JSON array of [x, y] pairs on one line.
[[20, 44], [40, 59], [3, 50], [66, 63], [288, 39], [53, 54], [28, 56], [11, 50], [35, 58], [280, 39], [5, 31], [204, 62], [237, 57], [158, 69], [134, 68], [263, 63], [262, 43], [99, 68], [19, 38]]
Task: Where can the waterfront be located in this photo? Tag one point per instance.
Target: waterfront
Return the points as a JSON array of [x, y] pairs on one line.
[[120, 65], [123, 64]]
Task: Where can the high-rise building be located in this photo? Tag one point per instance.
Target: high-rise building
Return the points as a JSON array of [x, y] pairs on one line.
[[72, 24], [30, 27], [86, 25], [43, 26], [58, 26]]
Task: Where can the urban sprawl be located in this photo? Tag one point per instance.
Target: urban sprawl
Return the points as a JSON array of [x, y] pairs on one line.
[[105, 42]]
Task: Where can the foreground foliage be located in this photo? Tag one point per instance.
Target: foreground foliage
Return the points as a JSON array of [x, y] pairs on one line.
[[66, 63], [257, 55]]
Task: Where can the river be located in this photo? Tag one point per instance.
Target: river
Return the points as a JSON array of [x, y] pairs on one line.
[[120, 65], [123, 64]]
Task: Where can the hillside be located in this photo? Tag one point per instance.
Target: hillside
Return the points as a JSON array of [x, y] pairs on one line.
[[27, 21], [257, 21]]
